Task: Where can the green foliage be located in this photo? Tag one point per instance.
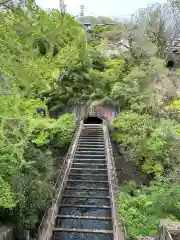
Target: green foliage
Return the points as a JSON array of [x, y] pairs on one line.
[[63, 130], [28, 41], [47, 61], [98, 34], [35, 50], [95, 20], [148, 126], [34, 191], [148, 132], [24, 167], [137, 89], [48, 131], [152, 143], [141, 208], [175, 105], [133, 130], [7, 198]]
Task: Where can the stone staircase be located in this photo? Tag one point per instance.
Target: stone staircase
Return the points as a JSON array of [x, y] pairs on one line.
[[85, 208]]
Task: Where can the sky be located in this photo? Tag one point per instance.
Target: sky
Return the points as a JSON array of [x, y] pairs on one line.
[[109, 8]]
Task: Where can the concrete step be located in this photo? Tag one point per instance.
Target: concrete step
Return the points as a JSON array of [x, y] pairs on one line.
[[93, 153], [89, 155], [91, 161], [91, 148], [84, 217], [88, 169], [89, 164], [91, 140], [102, 176], [83, 230], [84, 206], [84, 145], [87, 188]]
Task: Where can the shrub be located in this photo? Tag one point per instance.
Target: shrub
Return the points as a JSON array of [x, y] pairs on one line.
[[140, 208]]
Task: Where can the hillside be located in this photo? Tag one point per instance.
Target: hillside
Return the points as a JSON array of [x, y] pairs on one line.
[[95, 20], [46, 64]]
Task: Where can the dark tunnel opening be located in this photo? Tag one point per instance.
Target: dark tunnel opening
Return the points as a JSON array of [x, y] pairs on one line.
[[93, 120], [170, 64]]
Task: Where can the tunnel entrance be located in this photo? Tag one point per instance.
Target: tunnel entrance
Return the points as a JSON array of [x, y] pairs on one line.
[[93, 120], [170, 64]]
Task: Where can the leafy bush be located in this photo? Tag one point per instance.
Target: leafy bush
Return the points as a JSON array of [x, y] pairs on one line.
[[140, 208], [152, 143], [132, 132], [44, 62], [25, 165], [56, 132]]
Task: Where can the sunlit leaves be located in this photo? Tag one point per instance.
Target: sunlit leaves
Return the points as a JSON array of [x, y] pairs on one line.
[[7, 198]]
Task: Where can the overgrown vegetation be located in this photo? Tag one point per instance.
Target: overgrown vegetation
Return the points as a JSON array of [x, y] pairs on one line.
[[141, 208], [48, 62], [148, 126], [32, 44]]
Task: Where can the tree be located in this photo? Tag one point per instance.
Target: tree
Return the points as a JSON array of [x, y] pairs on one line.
[[62, 6], [28, 38], [147, 129]]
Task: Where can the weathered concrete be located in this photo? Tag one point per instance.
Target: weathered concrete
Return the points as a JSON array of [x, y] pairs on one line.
[[169, 230], [119, 232], [6, 232]]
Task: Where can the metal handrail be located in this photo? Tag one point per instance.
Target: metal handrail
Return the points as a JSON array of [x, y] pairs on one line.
[[61, 179]]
